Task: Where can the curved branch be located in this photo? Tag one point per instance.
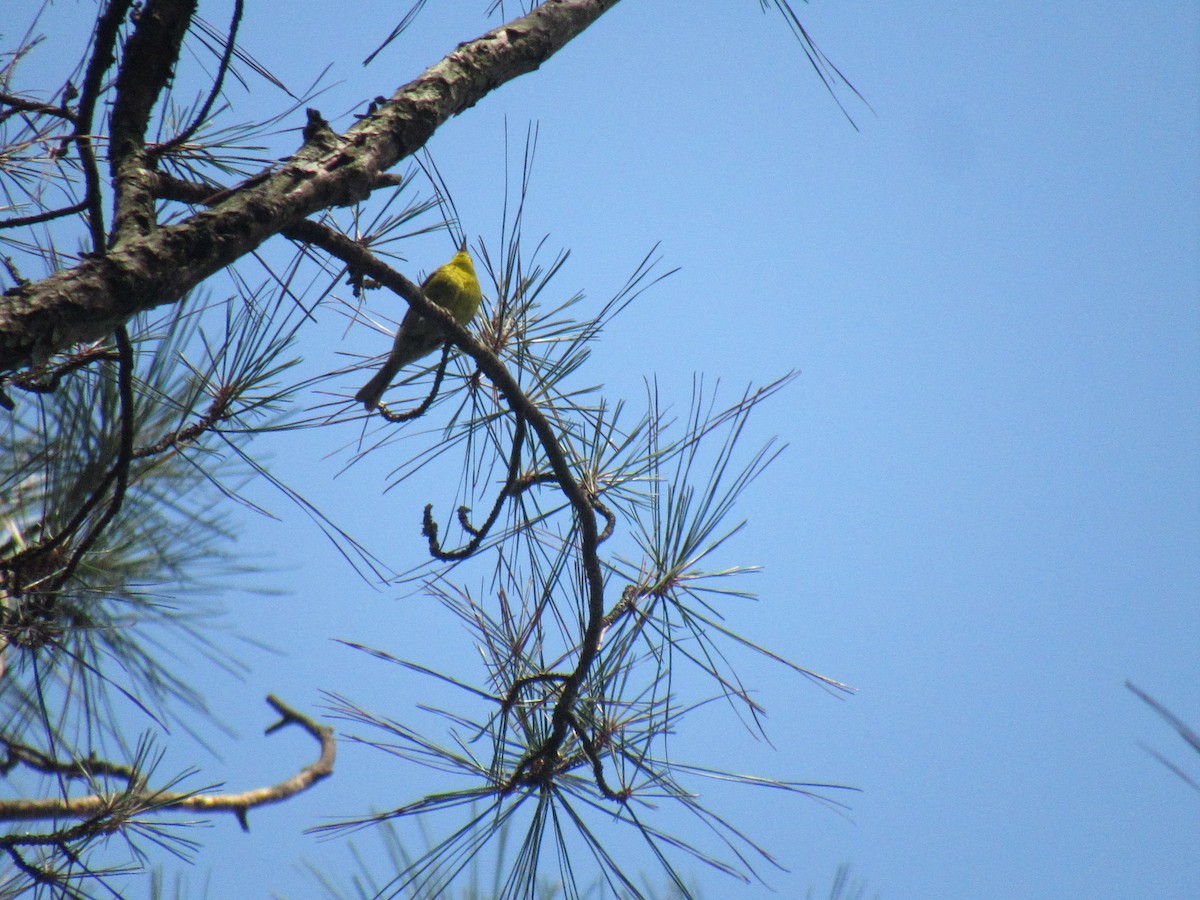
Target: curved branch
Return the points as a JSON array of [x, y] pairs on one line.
[[580, 499], [423, 407], [103, 56], [160, 801], [478, 535], [146, 271]]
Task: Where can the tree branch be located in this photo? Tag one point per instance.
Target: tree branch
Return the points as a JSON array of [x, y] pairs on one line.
[[543, 758], [146, 271], [146, 66], [159, 801], [103, 56]]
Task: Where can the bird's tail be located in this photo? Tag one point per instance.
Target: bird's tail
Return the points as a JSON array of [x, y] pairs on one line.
[[371, 392]]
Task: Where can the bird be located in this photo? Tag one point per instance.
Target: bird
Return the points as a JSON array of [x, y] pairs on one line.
[[455, 288]]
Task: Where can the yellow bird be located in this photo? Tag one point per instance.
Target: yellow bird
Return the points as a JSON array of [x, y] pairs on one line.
[[455, 288]]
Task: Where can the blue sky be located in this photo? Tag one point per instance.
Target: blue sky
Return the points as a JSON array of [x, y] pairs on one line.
[[988, 516]]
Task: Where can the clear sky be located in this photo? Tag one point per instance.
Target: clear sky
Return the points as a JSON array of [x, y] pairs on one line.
[[988, 517]]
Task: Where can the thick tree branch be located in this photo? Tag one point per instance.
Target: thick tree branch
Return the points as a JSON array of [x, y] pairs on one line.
[[143, 272], [148, 62]]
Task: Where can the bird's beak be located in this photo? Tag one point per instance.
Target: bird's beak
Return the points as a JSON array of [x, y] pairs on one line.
[[462, 248]]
